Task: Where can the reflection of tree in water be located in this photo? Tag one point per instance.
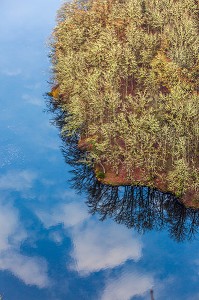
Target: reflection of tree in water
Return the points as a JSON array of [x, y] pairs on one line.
[[142, 208]]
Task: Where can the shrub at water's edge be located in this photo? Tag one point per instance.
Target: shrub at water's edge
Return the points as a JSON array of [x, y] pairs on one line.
[[126, 74]]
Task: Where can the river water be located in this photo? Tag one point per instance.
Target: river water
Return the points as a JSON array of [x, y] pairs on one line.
[[74, 240]]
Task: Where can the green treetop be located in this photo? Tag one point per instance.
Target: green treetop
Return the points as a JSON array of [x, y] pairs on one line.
[[127, 75]]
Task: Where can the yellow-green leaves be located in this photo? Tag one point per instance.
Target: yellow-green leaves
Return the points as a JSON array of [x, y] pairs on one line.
[[127, 73]]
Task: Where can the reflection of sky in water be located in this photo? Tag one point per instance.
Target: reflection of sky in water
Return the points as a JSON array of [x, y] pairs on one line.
[[50, 247]]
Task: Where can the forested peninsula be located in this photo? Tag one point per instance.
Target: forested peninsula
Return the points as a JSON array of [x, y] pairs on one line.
[[126, 76]]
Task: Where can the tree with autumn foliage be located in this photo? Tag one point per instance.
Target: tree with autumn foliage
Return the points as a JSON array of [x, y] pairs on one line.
[[125, 72]]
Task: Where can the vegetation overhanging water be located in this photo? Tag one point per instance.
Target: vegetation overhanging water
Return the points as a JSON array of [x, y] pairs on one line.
[[125, 75]]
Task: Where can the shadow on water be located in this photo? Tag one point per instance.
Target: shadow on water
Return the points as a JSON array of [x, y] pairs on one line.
[[141, 208]]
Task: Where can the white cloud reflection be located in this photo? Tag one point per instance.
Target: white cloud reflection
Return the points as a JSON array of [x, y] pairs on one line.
[[69, 214], [17, 180], [31, 270], [127, 285], [11, 231], [96, 245], [104, 245]]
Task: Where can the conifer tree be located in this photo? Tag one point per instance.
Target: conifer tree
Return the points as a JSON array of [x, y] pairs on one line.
[[126, 72]]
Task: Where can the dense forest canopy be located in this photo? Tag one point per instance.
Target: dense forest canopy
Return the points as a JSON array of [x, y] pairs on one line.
[[126, 74]]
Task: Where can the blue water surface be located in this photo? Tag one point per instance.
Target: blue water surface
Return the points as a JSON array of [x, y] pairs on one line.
[[51, 247]]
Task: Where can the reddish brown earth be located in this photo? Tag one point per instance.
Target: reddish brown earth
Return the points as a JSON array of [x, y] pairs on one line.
[[138, 177], [188, 199]]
